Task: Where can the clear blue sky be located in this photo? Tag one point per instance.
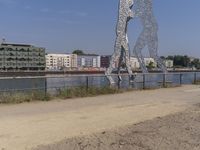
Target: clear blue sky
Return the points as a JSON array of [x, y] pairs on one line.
[[64, 25]]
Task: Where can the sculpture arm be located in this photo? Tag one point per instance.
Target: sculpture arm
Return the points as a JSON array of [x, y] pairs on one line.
[[136, 13], [131, 14]]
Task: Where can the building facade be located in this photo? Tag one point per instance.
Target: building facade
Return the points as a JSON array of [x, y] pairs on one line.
[[135, 65], [21, 57], [89, 61], [105, 61], [61, 61]]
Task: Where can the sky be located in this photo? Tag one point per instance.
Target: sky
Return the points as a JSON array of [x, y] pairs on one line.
[[62, 26]]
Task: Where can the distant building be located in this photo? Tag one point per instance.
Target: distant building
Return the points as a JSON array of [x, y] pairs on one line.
[[61, 61], [21, 57], [169, 63], [134, 63], [88, 61], [105, 61]]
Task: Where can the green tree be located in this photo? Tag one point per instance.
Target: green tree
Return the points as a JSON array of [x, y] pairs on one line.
[[78, 52], [162, 57], [170, 57], [150, 65], [196, 63], [181, 61]]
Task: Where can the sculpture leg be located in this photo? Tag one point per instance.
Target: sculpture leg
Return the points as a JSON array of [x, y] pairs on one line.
[[153, 50], [126, 57], [120, 64], [140, 44], [110, 69], [113, 61]]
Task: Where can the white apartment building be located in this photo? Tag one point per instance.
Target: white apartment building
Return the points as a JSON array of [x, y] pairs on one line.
[[89, 61], [61, 61], [136, 65]]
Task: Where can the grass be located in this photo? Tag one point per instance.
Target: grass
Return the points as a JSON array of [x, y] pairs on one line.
[[20, 97], [197, 82], [67, 93], [86, 92]]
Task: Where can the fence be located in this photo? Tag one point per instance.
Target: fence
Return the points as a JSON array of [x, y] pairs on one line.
[[51, 84]]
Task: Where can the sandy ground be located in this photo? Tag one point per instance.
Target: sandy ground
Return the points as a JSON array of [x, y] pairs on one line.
[[180, 131], [25, 126]]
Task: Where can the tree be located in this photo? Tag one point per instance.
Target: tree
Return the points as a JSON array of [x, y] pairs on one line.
[[186, 61], [196, 63], [150, 65], [170, 57], [181, 61], [162, 57], [78, 52]]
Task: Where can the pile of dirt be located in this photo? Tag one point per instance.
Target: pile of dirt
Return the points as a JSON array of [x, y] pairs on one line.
[[180, 131]]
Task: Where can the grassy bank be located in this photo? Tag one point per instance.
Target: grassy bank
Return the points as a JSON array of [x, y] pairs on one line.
[[197, 82], [66, 93], [20, 97], [85, 92]]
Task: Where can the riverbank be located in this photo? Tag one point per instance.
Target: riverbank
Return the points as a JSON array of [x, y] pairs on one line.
[[74, 72], [180, 131], [25, 126], [64, 94]]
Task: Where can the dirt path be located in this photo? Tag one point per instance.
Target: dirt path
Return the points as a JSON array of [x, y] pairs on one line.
[[25, 126], [179, 131]]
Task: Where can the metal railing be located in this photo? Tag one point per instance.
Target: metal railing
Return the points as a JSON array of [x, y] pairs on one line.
[[52, 83]]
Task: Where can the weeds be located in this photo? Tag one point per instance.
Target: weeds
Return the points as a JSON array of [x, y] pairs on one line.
[[197, 82], [20, 97], [85, 92]]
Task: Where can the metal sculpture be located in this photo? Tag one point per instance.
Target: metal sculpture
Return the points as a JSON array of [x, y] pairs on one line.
[[121, 48], [148, 37]]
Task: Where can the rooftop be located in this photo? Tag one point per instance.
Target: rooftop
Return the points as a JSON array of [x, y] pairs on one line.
[[19, 45]]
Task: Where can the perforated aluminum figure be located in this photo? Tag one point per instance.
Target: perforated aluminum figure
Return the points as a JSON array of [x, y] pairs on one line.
[[143, 9], [121, 49]]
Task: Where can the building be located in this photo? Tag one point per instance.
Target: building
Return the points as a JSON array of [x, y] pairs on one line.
[[89, 61], [135, 65], [169, 63], [105, 61], [21, 57], [61, 61]]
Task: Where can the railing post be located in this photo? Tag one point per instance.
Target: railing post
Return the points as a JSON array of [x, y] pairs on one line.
[[87, 83], [164, 80], [144, 80], [195, 78], [45, 84], [181, 75]]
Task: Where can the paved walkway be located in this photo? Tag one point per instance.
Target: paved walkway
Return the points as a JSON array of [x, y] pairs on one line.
[[27, 125]]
